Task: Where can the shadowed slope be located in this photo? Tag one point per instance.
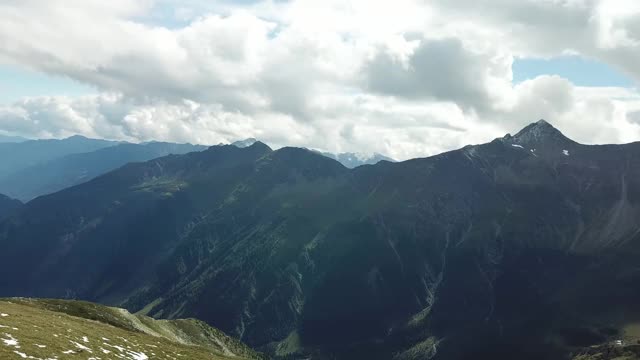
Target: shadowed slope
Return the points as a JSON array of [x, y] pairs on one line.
[[520, 248]]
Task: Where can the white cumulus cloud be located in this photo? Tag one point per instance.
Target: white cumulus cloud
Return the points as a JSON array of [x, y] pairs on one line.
[[408, 78]]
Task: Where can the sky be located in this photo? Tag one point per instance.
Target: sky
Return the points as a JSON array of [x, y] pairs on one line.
[[407, 78]]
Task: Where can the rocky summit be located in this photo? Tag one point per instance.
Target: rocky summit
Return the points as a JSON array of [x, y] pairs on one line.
[[522, 248]]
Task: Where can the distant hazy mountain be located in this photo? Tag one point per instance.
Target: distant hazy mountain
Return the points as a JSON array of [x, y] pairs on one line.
[[8, 205], [244, 143], [11, 139], [524, 248], [18, 156], [350, 160], [353, 160], [54, 175]]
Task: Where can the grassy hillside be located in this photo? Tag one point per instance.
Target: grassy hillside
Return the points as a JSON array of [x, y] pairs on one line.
[[47, 329]]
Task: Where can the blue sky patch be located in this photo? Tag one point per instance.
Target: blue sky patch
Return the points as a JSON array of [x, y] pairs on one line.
[[579, 70], [18, 83]]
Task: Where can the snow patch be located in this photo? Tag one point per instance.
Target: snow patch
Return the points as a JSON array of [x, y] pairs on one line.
[[138, 356], [126, 352], [565, 152], [10, 341], [517, 146], [80, 346], [85, 339], [4, 315], [22, 355]]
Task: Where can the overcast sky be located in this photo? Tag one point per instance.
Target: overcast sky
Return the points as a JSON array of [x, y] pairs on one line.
[[406, 78]]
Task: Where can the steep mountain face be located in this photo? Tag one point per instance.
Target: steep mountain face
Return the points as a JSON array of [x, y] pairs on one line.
[[525, 247], [20, 155], [58, 329], [60, 173], [8, 206]]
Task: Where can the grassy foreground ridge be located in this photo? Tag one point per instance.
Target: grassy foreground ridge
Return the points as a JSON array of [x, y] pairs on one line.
[[62, 329]]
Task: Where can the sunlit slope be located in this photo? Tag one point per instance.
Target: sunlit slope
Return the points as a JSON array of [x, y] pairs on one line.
[[57, 329]]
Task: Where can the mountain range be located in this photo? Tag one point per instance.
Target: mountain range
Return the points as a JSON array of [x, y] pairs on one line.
[[522, 248], [11, 139], [55, 174], [353, 160], [37, 167], [21, 155], [348, 159]]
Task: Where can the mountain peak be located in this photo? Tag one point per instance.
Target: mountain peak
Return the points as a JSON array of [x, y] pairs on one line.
[[77, 138], [539, 133], [259, 145], [244, 143], [540, 127]]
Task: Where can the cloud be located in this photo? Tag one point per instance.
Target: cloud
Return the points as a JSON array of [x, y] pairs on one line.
[[605, 30], [412, 79], [440, 69], [116, 117]]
